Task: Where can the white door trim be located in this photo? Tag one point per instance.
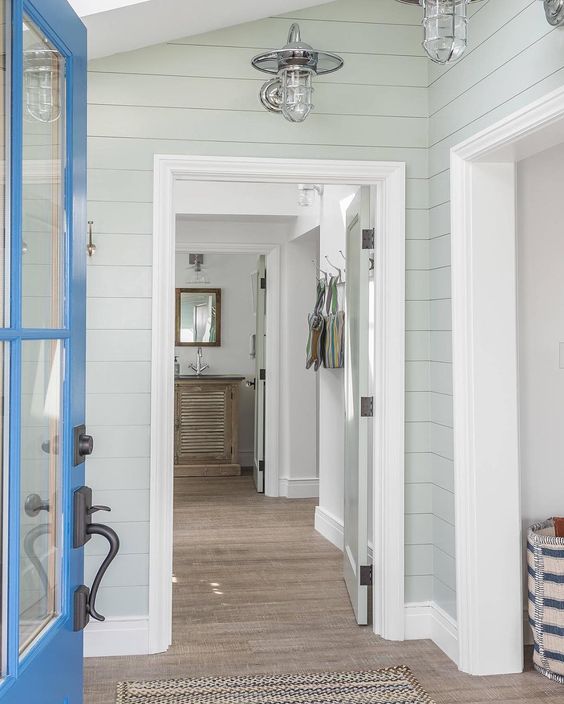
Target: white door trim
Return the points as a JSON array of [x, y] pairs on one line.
[[485, 375], [388, 178]]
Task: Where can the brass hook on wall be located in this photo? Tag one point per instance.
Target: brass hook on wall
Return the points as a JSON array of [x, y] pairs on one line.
[[90, 247]]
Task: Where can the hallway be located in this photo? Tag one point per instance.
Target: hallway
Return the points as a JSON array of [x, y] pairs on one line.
[[259, 591]]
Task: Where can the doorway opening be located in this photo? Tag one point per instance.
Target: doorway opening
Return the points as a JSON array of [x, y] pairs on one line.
[[287, 270], [495, 359]]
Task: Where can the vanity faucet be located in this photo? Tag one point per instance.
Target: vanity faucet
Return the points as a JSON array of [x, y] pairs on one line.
[[199, 367]]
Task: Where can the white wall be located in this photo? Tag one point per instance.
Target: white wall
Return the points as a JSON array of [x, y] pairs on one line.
[[330, 512], [232, 274], [541, 334], [203, 94], [514, 56]]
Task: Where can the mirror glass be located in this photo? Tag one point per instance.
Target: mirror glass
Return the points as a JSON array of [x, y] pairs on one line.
[[198, 317]]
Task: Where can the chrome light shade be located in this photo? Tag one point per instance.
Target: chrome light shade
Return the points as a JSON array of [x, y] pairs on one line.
[[554, 10], [295, 66]]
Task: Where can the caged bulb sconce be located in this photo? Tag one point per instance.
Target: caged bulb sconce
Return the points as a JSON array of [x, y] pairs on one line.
[[445, 28], [554, 10], [295, 66], [42, 76]]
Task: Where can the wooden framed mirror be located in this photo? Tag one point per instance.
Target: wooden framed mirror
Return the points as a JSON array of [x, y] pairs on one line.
[[198, 317]]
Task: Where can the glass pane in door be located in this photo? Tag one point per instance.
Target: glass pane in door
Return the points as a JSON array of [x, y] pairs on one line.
[[43, 146], [40, 482]]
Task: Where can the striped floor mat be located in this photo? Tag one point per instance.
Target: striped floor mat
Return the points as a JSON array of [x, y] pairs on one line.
[[395, 685]]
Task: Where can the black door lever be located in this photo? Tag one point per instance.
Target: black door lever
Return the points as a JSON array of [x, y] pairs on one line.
[[84, 529]]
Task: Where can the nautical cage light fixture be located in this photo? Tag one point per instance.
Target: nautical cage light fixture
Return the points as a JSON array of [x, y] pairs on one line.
[[295, 66], [445, 28], [42, 72]]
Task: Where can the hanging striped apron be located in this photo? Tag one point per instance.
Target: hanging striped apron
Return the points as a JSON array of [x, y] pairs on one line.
[[334, 357], [316, 325]]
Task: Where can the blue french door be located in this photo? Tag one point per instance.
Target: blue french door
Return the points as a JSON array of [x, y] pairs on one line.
[[42, 349]]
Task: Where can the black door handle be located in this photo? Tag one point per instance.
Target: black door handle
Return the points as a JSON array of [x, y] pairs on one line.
[[84, 529], [112, 538]]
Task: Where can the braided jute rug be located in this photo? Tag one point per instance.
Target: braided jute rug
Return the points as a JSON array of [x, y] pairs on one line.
[[394, 685]]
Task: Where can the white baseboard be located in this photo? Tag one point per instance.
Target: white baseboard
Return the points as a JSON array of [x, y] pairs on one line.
[[117, 637], [428, 621], [299, 488], [329, 526]]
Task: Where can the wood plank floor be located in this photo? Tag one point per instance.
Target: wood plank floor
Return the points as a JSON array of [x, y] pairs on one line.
[[259, 591]]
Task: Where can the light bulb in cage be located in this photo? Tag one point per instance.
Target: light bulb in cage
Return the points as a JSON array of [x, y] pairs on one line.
[[42, 84], [445, 28], [295, 67]]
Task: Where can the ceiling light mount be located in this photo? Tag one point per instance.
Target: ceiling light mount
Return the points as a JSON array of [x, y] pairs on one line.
[[294, 66]]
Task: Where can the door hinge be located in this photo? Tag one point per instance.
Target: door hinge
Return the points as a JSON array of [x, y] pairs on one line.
[[263, 283], [261, 465], [368, 238], [262, 374], [367, 406], [366, 575]]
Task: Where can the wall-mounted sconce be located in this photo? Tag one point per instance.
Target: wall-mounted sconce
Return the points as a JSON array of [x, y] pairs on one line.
[[90, 247], [306, 193], [41, 70], [445, 28], [554, 10], [295, 65], [195, 264]]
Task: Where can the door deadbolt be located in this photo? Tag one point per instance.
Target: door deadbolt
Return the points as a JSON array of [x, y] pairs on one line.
[[83, 444]]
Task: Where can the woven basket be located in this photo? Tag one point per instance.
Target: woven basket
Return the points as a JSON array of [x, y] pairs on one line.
[[545, 559]]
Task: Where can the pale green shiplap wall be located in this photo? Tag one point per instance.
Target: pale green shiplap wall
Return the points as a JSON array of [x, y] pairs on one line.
[[199, 96], [513, 58]]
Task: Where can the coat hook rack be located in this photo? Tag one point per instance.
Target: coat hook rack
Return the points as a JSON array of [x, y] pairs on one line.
[[320, 271], [90, 247], [337, 269]]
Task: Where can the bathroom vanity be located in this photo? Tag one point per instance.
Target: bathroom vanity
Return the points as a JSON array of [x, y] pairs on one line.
[[206, 425]]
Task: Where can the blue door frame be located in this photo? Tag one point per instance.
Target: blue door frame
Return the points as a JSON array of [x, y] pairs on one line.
[[50, 671]]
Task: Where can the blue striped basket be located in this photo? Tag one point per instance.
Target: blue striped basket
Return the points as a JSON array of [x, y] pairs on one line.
[[545, 561]]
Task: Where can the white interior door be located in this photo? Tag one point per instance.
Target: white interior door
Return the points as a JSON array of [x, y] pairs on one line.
[[260, 374], [357, 385]]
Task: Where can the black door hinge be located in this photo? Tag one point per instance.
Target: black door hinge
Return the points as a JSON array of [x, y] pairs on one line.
[[261, 465], [368, 238], [263, 283], [367, 406], [366, 575], [262, 374]]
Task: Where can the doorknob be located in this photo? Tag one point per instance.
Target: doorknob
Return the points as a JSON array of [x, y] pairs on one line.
[[84, 529], [34, 504], [251, 384]]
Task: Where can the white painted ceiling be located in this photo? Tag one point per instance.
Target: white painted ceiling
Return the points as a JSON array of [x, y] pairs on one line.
[[115, 26]]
